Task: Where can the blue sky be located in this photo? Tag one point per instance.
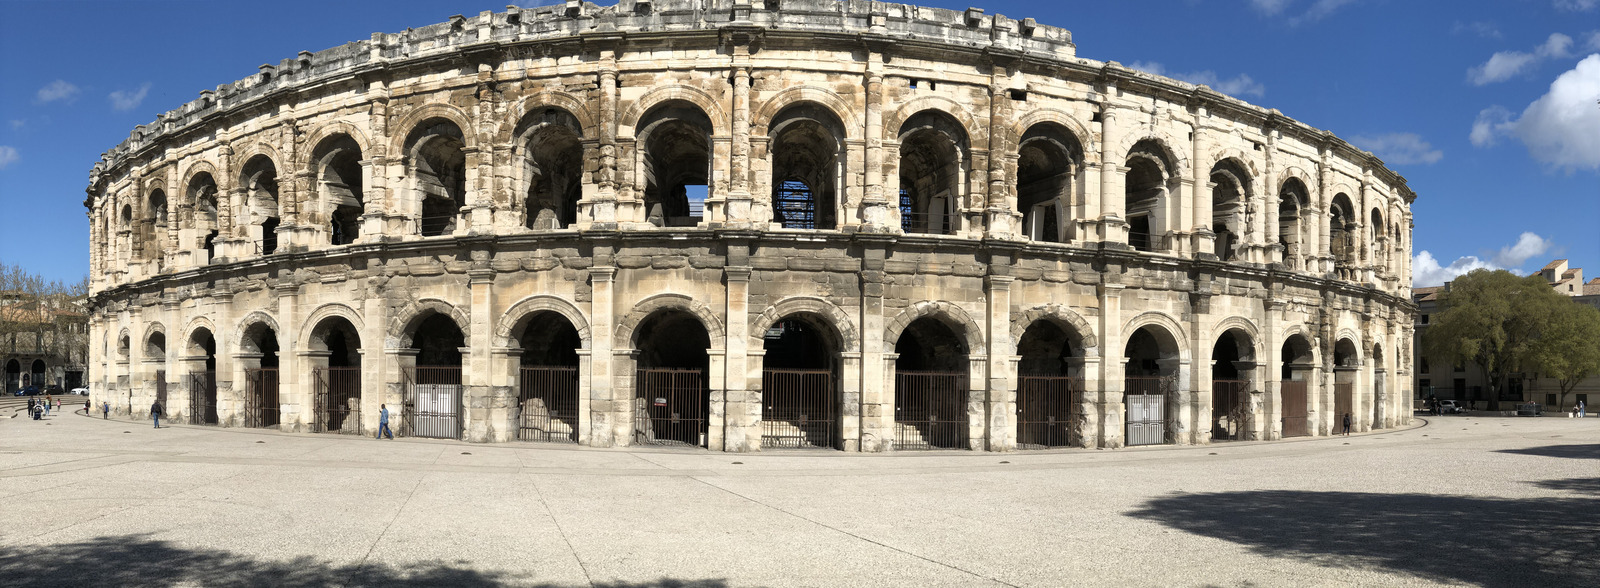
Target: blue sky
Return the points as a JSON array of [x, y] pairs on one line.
[[1491, 109]]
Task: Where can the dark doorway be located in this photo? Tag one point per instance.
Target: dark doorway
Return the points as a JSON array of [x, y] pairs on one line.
[[930, 388], [1049, 386], [547, 397], [1150, 381], [336, 371], [203, 383], [672, 400], [261, 380], [1293, 391], [799, 392], [434, 407]]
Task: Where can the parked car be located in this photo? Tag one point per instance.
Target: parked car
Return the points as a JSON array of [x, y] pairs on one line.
[[28, 391], [80, 391], [1450, 407], [1530, 409], [54, 390]]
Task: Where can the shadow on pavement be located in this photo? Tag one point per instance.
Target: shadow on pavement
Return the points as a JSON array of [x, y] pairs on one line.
[[1442, 538], [1589, 486], [1589, 451], [136, 560]]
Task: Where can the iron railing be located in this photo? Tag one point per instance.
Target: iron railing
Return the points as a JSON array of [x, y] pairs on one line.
[[930, 410], [433, 406], [670, 407], [798, 408], [547, 403], [1229, 408], [202, 398], [1295, 417], [338, 400], [1145, 400], [1046, 406], [261, 398]]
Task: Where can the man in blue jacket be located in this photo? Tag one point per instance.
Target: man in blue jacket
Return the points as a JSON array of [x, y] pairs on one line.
[[383, 422]]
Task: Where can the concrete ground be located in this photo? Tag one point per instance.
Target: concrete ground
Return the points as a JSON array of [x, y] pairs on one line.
[[1460, 501]]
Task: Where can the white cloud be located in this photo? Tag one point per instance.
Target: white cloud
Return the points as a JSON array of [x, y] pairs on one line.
[[1559, 128], [1399, 148], [1319, 10], [1269, 7], [8, 154], [57, 90], [129, 100], [1239, 85], [17, 123], [1577, 5], [1426, 270], [1504, 65], [1593, 41], [1484, 29]]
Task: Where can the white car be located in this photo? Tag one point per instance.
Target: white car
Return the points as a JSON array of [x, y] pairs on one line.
[[80, 391]]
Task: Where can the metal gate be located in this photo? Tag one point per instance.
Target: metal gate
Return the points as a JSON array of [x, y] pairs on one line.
[[1146, 403], [203, 398], [1229, 409], [161, 391], [670, 407], [261, 398], [930, 410], [1343, 404], [548, 404], [1294, 409], [798, 408], [433, 408], [1045, 410], [337, 400]]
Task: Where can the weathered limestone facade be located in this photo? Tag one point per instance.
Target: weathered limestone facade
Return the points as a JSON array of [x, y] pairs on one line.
[[527, 183]]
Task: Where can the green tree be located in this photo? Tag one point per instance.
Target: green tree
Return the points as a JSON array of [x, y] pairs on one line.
[[1568, 347], [1492, 320]]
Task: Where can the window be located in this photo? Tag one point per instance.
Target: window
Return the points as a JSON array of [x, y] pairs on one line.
[[794, 206], [905, 210], [1424, 366], [1424, 319]]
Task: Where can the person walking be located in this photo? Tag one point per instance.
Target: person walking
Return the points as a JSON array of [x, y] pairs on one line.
[[155, 413], [1347, 424], [383, 422], [47, 406], [105, 410], [86, 407], [1582, 410]]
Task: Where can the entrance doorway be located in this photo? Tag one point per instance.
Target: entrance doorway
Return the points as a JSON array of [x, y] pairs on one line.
[[1049, 384], [336, 377], [547, 391], [433, 407], [799, 392], [930, 388], [672, 401], [1150, 379]]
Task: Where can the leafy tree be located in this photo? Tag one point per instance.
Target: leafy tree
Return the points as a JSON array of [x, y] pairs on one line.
[[1568, 347], [1492, 320]]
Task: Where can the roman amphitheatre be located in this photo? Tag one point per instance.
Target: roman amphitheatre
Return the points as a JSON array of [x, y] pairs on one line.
[[747, 225]]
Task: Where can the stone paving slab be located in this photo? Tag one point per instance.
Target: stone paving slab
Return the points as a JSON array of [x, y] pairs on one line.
[[1460, 501]]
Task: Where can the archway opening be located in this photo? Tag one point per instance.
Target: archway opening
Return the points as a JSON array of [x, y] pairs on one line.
[[1146, 195], [201, 359], [800, 403], [155, 352], [552, 167], [931, 387], [37, 370], [1380, 394], [335, 356], [1293, 389], [672, 400], [340, 186], [436, 148], [1230, 190], [807, 164], [259, 177], [1049, 161], [1293, 198], [1150, 386], [547, 397], [1342, 235], [13, 376], [204, 221], [1049, 386], [156, 230], [258, 355], [1232, 379], [1346, 370], [676, 136], [437, 391], [933, 166]]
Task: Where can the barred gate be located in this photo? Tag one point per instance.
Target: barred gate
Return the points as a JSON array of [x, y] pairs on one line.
[[670, 407], [548, 404], [1228, 409], [798, 408], [1343, 404], [930, 410], [337, 400], [161, 391], [432, 407], [261, 397], [1146, 403], [1294, 409], [1045, 409], [203, 398]]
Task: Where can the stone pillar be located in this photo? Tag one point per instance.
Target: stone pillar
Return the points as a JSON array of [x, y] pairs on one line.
[[488, 404], [743, 429], [739, 200], [1002, 217], [1113, 226], [1001, 395], [293, 402], [607, 407], [1204, 237], [1113, 415], [877, 365], [878, 200], [601, 210]]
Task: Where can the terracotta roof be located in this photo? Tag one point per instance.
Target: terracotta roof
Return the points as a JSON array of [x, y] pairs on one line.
[[1553, 264], [1571, 272], [1592, 288]]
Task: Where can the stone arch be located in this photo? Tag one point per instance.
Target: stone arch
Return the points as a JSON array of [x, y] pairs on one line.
[[1242, 324], [1086, 139], [407, 318], [822, 97], [504, 329], [194, 326], [1357, 345], [1160, 319], [124, 343], [1063, 317], [322, 133], [244, 153], [838, 319], [1177, 160], [252, 319], [547, 99], [627, 123], [195, 169], [623, 338], [1232, 153], [977, 135], [404, 128], [322, 313], [1294, 172], [151, 330], [951, 315], [155, 182]]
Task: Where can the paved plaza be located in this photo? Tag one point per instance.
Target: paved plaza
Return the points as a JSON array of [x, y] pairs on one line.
[[1458, 501]]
